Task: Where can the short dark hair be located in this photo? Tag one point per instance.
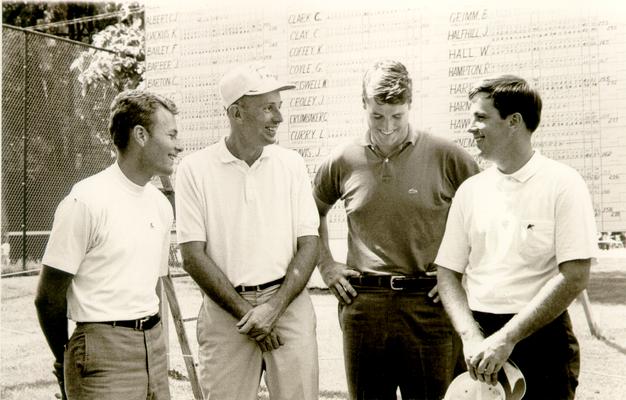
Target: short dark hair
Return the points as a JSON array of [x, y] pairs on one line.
[[512, 94], [134, 107], [388, 82]]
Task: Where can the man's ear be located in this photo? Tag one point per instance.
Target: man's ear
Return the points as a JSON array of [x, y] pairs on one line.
[[234, 111], [516, 120], [139, 135]]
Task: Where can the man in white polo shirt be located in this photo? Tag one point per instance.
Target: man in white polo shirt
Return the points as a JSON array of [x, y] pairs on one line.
[[523, 235], [108, 246], [247, 225]]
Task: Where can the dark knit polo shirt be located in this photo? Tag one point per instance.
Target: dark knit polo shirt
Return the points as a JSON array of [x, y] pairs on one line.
[[396, 206]]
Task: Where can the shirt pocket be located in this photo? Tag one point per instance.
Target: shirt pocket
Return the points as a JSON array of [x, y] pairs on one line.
[[537, 238]]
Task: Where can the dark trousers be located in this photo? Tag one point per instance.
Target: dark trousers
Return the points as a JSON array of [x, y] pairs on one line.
[[549, 358], [396, 339]]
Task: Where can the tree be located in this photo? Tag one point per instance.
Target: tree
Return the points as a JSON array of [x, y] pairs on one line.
[[77, 21], [23, 14], [111, 26], [124, 66], [53, 133]]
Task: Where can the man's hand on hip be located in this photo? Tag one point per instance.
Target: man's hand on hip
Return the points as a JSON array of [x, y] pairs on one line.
[[434, 292], [335, 276]]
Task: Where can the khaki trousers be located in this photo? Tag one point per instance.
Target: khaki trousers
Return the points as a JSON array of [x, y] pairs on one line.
[[231, 364]]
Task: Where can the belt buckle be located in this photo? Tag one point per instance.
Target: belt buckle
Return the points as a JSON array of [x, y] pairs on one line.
[[139, 323], [393, 279]]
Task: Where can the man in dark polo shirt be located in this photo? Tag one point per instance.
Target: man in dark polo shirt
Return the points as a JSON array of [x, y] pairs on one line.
[[397, 184]]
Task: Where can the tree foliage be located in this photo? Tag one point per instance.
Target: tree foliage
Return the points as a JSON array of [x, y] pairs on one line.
[[124, 66], [24, 14], [117, 27], [49, 17], [52, 136]]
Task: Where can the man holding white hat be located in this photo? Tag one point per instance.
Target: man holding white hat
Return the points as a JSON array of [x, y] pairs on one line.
[[510, 385], [247, 225], [517, 250]]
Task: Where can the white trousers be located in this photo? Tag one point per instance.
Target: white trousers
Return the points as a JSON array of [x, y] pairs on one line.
[[231, 364]]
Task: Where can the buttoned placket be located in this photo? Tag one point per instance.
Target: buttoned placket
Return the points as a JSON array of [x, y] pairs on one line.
[[386, 170]]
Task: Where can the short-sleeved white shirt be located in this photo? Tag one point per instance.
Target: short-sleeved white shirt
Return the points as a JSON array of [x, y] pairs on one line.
[[113, 235], [249, 216], [508, 233]]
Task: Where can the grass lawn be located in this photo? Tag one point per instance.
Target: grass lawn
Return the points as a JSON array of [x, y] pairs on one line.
[[26, 360]]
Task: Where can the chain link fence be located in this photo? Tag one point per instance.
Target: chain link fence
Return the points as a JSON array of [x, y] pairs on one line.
[[52, 137]]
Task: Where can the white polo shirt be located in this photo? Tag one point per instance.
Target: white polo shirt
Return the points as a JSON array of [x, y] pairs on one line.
[[249, 216], [113, 235], [508, 233]]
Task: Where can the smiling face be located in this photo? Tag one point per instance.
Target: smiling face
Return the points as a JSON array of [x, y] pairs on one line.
[[161, 147], [492, 133], [388, 124], [261, 116]]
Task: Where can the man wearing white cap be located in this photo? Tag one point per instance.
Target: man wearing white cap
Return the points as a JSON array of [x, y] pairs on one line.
[[247, 225]]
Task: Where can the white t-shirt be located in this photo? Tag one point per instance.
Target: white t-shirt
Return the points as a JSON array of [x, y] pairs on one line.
[[508, 233], [249, 216], [113, 235]]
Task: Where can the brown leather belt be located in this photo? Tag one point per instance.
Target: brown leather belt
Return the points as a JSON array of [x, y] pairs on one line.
[[394, 282], [140, 324], [256, 288]]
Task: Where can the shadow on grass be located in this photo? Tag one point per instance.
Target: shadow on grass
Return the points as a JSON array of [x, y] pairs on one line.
[[323, 395], [613, 345], [29, 385], [607, 287]]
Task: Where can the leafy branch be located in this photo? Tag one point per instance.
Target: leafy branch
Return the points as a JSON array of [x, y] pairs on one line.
[[124, 66]]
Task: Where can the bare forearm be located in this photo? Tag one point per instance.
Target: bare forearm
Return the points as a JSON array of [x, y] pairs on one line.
[[214, 282], [51, 305], [53, 322], [454, 300], [298, 272], [335, 275], [551, 301], [325, 257]]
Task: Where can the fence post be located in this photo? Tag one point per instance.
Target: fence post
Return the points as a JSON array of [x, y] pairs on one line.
[[24, 151]]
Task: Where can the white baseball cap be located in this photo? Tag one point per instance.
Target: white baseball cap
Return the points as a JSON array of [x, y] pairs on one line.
[[248, 79], [511, 386]]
